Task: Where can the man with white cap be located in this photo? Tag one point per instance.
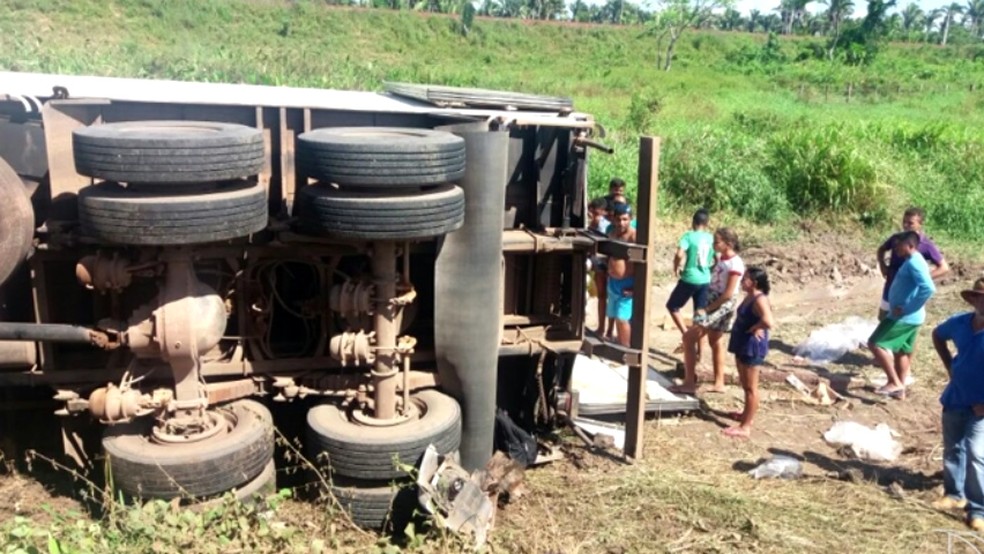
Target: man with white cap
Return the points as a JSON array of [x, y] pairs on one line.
[[963, 408]]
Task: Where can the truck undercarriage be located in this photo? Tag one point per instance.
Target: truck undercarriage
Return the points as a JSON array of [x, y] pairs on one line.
[[174, 250]]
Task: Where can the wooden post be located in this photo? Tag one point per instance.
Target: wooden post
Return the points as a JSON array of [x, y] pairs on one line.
[[635, 413]]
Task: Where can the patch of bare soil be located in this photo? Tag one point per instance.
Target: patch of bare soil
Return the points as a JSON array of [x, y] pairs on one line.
[[24, 495]]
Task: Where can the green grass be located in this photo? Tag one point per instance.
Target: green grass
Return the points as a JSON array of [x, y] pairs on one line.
[[754, 128]]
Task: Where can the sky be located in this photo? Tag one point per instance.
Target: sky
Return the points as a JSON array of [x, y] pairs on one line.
[[766, 6]]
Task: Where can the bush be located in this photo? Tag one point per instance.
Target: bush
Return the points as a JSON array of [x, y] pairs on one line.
[[643, 109], [824, 170], [767, 58], [722, 172]]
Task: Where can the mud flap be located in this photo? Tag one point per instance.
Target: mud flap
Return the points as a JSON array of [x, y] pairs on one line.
[[468, 290]]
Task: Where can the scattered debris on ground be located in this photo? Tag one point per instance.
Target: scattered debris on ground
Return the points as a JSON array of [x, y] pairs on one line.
[[865, 443], [783, 467]]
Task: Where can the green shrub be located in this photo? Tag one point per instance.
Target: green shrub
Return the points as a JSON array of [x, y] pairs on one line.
[[922, 139], [723, 172], [643, 109], [824, 170]]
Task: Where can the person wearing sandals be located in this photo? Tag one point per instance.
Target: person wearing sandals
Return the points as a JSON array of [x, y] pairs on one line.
[[963, 408], [715, 319], [750, 344], [893, 340]]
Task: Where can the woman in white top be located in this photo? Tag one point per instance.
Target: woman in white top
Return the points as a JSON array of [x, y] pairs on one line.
[[716, 318]]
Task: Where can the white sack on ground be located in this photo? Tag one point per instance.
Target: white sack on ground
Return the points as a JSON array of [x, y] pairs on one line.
[[877, 444], [830, 342]]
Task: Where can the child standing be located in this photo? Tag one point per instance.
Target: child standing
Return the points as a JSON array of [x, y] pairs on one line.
[[621, 279], [692, 265], [750, 344], [715, 319], [598, 225]]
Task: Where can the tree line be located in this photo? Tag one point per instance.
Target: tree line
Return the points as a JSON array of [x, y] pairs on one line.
[[957, 22]]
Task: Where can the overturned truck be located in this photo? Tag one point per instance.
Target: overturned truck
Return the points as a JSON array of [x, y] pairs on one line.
[[175, 255]]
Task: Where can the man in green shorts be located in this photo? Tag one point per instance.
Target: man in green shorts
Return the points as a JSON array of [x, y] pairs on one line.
[[893, 339]]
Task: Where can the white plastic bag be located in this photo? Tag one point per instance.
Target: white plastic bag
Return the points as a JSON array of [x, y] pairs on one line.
[[876, 444], [783, 467], [830, 342]]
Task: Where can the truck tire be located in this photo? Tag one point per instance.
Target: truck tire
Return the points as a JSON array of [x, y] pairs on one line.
[[254, 491], [168, 151], [365, 452], [375, 505], [381, 156], [112, 213], [145, 469], [364, 215], [16, 224]]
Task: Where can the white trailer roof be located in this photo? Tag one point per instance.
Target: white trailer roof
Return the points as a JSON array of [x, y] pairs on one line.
[[41, 86]]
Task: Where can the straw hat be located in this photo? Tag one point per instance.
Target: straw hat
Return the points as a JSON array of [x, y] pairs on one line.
[[973, 294]]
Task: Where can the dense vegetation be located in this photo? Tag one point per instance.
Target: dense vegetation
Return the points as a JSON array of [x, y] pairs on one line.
[[763, 127]]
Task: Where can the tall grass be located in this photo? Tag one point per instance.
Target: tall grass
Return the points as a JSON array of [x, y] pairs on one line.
[[824, 168], [757, 127]]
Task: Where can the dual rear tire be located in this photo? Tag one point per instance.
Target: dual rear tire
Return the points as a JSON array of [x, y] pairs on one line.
[[368, 463], [184, 182], [381, 183]]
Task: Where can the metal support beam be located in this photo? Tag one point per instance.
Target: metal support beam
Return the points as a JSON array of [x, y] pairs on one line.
[[636, 253], [641, 319], [385, 371], [612, 351]]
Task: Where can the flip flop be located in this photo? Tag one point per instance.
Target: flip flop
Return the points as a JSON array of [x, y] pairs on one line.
[[680, 389], [898, 394], [736, 433], [885, 391]]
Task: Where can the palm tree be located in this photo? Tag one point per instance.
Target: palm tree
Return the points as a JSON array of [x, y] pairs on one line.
[[876, 21], [837, 12], [786, 14], [813, 23], [912, 19], [772, 23], [930, 21], [948, 14], [731, 20], [754, 17], [579, 11], [974, 14]]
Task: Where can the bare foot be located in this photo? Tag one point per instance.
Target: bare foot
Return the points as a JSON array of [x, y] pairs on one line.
[[737, 432]]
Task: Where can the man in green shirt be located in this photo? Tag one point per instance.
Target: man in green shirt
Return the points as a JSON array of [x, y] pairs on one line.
[[695, 252]]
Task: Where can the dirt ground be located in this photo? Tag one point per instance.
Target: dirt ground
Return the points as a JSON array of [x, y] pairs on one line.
[[691, 491]]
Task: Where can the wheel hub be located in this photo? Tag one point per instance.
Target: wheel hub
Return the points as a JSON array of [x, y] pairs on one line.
[[410, 412], [186, 429]]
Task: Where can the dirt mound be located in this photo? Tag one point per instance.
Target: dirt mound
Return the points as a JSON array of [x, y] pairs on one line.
[[26, 496]]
